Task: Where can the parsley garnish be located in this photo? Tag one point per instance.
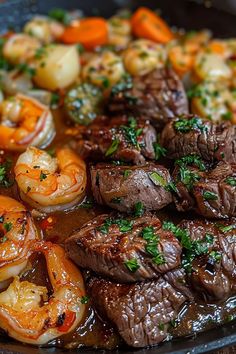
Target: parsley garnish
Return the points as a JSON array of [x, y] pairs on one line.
[[157, 179], [84, 299], [171, 187], [132, 265], [55, 98], [127, 173], [131, 132], [227, 228], [215, 255], [124, 225], [60, 15], [159, 151], [112, 148], [207, 195], [116, 200], [231, 181], [8, 226], [184, 125], [188, 177], [152, 240], [191, 160], [42, 176], [138, 209], [5, 182], [24, 68]]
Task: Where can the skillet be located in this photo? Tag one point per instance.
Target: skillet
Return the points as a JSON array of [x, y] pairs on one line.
[[183, 14]]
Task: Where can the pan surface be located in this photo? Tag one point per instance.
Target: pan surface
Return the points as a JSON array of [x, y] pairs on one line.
[[183, 14]]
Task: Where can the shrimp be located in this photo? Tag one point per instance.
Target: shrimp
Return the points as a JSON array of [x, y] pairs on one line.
[[17, 233], [143, 56], [119, 30], [104, 70], [25, 121], [210, 66], [20, 48], [29, 315], [48, 183], [44, 29]]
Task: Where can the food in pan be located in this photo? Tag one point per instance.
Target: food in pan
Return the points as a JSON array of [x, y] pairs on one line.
[[117, 181]]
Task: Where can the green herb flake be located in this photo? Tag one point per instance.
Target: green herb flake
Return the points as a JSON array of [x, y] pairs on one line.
[[231, 181], [112, 148], [8, 226], [60, 15], [157, 179], [24, 68], [132, 265], [42, 176], [171, 187], [126, 173], [116, 200], [159, 151], [188, 177], [184, 125], [138, 209], [84, 299], [193, 159], [207, 195], [215, 256]]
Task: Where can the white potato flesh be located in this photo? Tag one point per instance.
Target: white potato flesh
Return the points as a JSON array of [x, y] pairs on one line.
[[58, 67], [211, 66]]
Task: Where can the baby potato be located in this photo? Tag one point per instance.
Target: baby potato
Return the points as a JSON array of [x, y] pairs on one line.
[[143, 56], [20, 48], [57, 66], [212, 100], [211, 66], [43, 28], [104, 70]]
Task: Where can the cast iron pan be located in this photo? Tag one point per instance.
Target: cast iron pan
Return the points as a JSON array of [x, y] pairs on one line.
[[182, 13]]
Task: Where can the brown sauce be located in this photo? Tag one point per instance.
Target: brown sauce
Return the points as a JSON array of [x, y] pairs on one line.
[[93, 331]]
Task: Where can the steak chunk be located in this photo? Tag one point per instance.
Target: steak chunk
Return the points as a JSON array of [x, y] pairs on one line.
[[213, 269], [122, 187], [125, 250], [210, 193], [193, 135], [158, 95], [120, 138], [142, 312]]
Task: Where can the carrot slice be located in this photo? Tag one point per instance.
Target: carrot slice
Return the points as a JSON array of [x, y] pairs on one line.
[[90, 32], [146, 24]]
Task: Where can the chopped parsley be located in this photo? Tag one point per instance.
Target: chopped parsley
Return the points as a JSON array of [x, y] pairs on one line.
[[227, 228], [231, 181], [42, 176], [159, 151], [112, 148], [184, 125], [207, 195], [157, 179], [188, 177], [152, 240], [55, 98], [171, 187], [126, 173], [24, 68], [84, 299], [116, 200], [5, 182], [138, 209], [132, 265], [125, 225], [215, 256], [191, 160], [8, 226], [123, 85], [131, 132], [60, 15]]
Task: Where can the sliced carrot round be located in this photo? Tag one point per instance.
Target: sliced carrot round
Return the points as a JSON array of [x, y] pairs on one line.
[[90, 32], [146, 24]]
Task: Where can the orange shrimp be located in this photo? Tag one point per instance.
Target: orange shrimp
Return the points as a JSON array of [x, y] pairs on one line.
[[25, 121], [17, 233], [49, 183], [29, 315]]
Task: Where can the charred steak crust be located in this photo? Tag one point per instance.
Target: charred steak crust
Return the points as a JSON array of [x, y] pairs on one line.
[[121, 138], [142, 312], [122, 187], [213, 273], [193, 135], [211, 193], [125, 250], [158, 95]]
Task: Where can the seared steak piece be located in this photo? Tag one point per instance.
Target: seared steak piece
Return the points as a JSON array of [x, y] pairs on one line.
[[210, 193], [212, 260], [193, 135], [120, 138], [123, 187], [158, 95], [142, 312], [125, 250]]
